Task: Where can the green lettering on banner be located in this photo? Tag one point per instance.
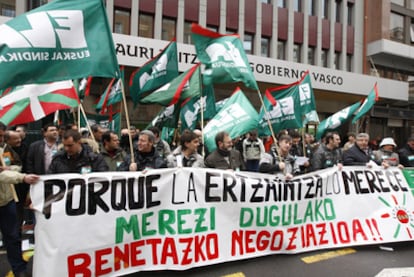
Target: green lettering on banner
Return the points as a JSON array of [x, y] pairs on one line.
[[409, 176], [122, 224]]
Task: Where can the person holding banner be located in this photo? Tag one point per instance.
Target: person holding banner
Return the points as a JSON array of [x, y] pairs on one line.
[[113, 154], [76, 157], [406, 153], [359, 153], [280, 161], [186, 155], [145, 156], [328, 154], [225, 157], [8, 218], [386, 156]]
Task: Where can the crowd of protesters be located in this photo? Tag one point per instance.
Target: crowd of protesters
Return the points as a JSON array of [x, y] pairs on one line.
[[65, 149]]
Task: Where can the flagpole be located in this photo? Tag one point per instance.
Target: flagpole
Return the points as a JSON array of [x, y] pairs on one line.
[[87, 124], [131, 148], [269, 123], [202, 115]]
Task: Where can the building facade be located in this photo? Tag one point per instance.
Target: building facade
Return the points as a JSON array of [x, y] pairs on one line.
[[338, 41]]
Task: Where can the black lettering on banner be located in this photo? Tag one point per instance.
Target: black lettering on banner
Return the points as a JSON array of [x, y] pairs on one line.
[[118, 193], [94, 197], [81, 205], [50, 197], [210, 186]]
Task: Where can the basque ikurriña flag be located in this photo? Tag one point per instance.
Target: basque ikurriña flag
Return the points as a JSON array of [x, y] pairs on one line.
[[61, 40], [29, 103]]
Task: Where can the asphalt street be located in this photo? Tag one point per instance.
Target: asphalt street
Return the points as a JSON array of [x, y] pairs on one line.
[[389, 260]]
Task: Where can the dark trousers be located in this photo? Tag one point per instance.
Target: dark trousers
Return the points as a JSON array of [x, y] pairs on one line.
[[11, 238], [252, 165]]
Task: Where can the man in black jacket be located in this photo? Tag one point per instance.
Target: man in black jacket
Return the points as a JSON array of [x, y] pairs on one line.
[[146, 156], [406, 153], [359, 153], [76, 157]]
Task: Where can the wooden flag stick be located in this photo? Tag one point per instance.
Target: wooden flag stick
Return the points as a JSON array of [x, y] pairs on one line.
[[131, 148], [269, 123]]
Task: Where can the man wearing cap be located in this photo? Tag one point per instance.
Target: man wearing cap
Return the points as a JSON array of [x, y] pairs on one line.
[[386, 156], [406, 153]]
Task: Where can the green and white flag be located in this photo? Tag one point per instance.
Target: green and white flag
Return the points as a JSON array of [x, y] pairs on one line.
[[237, 117], [61, 40], [158, 71], [368, 103], [282, 113], [223, 56], [336, 120], [112, 123], [191, 109], [185, 85], [166, 117]]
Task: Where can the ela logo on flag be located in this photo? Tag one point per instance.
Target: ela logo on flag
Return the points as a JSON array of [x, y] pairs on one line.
[[229, 53], [45, 23]]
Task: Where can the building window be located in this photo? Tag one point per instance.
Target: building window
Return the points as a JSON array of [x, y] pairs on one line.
[[412, 32], [324, 58], [337, 61], [248, 43], [397, 27], [187, 32], [266, 1], [168, 29], [296, 53], [325, 9], [121, 22], [411, 5], [349, 63], [265, 47], [350, 8], [7, 10], [398, 2], [338, 11], [281, 50], [297, 5], [33, 4], [281, 3], [311, 55], [312, 7], [146, 26]]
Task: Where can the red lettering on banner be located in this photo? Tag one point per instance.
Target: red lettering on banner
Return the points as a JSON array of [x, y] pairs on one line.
[[79, 264], [357, 229], [100, 261], [169, 250], [292, 238]]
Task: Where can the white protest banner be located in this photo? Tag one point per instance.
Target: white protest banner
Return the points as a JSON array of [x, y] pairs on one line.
[[114, 223]]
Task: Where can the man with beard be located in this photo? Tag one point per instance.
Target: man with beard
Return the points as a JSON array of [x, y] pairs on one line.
[[329, 153], [225, 157]]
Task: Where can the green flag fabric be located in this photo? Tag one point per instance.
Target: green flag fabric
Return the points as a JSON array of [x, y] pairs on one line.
[[337, 119], [223, 56], [185, 85], [166, 117], [237, 117], [158, 71], [111, 96], [61, 40], [368, 103], [191, 109], [281, 114], [112, 122]]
